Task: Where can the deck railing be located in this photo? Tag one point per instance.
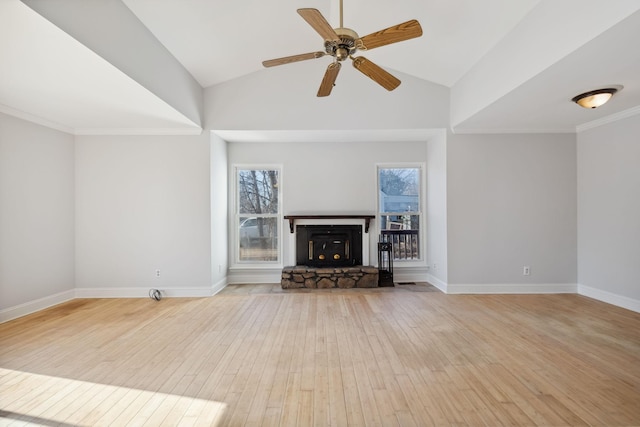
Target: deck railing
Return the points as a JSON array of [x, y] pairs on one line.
[[406, 243]]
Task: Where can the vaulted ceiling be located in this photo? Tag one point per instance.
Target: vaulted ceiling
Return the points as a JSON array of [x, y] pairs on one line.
[[112, 66]]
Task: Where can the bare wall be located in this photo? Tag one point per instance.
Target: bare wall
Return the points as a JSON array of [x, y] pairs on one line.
[[284, 98], [512, 203], [143, 204], [609, 212], [328, 177], [36, 214]]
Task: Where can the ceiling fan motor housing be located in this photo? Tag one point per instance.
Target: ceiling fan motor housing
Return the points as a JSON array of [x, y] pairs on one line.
[[343, 48]]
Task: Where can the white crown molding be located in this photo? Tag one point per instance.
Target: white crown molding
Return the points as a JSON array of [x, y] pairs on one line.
[[319, 135], [188, 131], [35, 119], [509, 131], [609, 119], [138, 131]]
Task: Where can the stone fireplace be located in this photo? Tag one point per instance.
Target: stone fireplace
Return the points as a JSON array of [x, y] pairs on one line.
[[331, 251]]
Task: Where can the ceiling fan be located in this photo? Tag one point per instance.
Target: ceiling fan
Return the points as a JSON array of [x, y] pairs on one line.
[[342, 43]]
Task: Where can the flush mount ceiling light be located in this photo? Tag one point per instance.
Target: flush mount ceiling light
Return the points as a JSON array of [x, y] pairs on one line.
[[595, 98]]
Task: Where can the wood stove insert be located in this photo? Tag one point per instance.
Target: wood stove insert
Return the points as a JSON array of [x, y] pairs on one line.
[[329, 245]]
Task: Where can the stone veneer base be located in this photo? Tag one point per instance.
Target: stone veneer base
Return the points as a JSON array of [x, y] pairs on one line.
[[358, 276]]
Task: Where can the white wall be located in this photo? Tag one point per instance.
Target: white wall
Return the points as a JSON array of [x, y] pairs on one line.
[[328, 177], [36, 216], [284, 98], [143, 203], [528, 50], [512, 202], [219, 217], [132, 48], [437, 210], [609, 212]]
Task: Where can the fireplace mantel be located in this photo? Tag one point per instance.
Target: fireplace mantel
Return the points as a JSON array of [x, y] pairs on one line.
[[293, 218]]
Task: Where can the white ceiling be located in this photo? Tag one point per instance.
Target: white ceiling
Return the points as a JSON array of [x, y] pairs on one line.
[[227, 39], [49, 77]]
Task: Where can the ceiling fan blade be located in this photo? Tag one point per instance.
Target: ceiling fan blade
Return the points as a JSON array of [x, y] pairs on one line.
[[317, 21], [405, 31], [376, 73], [293, 58], [329, 79]]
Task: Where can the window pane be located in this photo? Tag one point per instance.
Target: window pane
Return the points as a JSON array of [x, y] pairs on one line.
[[399, 190], [399, 222], [258, 191], [258, 238], [399, 211]]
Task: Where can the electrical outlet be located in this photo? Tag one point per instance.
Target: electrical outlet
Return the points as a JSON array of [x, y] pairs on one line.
[[157, 273], [435, 266], [526, 270]]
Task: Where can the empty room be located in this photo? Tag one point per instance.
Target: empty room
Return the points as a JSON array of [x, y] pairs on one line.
[[206, 220]]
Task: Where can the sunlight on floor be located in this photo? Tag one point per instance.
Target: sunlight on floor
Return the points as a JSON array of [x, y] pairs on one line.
[[45, 400]]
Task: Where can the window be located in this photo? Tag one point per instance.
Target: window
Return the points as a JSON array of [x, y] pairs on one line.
[[258, 215], [399, 210]]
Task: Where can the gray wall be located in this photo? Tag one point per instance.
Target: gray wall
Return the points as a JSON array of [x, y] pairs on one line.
[[511, 203], [99, 214], [284, 98], [219, 219], [437, 218], [143, 204], [328, 177], [36, 214], [609, 212]]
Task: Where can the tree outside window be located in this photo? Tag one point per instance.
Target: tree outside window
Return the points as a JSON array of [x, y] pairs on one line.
[[258, 215]]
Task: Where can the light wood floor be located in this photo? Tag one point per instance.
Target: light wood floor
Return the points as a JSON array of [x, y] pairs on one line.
[[257, 355]]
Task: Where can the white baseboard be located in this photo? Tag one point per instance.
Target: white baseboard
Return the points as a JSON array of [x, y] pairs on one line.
[[437, 283], [274, 277], [144, 292], [49, 301], [529, 288], [246, 276], [409, 274], [218, 286], [36, 305], [610, 298]]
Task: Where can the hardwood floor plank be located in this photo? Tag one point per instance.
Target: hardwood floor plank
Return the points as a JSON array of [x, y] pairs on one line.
[[260, 355], [349, 383]]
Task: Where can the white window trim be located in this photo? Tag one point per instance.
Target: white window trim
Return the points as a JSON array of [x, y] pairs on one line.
[[422, 167], [234, 215]]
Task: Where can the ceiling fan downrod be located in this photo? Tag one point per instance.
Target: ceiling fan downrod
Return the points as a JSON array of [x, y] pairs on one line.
[[347, 45]]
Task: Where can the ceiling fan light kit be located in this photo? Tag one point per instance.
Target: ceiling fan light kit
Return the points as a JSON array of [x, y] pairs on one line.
[[595, 98], [342, 43]]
